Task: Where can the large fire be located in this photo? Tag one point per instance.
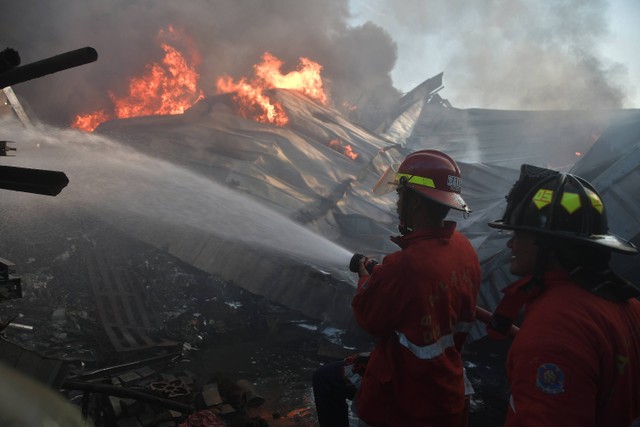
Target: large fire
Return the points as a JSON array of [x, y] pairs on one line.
[[250, 96], [170, 86], [167, 87]]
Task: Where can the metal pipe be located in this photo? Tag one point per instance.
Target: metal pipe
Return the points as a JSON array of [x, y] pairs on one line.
[[46, 66]]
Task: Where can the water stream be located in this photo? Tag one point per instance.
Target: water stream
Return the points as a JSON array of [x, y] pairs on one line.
[[110, 178]]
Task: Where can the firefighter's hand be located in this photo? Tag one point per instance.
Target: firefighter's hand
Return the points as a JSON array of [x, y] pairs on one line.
[[362, 271]]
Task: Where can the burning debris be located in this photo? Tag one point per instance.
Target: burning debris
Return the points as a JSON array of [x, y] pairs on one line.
[[253, 103], [171, 87], [345, 149], [167, 87]]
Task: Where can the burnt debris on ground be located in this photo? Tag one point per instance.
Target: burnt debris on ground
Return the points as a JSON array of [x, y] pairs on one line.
[[223, 354]]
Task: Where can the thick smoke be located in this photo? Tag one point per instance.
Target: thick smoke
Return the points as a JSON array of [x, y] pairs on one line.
[[507, 54], [231, 37]]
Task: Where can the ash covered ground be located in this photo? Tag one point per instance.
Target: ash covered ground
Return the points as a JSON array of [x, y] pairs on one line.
[[223, 331]]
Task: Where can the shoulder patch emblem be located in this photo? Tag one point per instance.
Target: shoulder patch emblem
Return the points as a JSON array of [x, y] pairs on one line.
[[550, 378]]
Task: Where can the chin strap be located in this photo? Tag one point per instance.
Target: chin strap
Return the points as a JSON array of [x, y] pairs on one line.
[[403, 229]]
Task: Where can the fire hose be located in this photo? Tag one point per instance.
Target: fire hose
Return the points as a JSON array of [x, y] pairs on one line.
[[485, 317], [482, 314]]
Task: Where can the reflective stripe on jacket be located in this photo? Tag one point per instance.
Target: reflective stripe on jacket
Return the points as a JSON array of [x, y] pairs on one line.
[[420, 304], [438, 348]]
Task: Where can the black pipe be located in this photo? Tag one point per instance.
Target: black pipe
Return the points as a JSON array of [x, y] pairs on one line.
[[9, 59], [50, 65], [36, 181]]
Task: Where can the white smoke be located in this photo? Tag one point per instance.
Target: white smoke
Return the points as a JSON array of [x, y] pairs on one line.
[[506, 54]]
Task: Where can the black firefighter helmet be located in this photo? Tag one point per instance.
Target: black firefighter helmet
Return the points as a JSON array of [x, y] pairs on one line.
[[560, 205]]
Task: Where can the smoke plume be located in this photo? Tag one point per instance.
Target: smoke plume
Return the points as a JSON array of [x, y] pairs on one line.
[[231, 37], [506, 54]]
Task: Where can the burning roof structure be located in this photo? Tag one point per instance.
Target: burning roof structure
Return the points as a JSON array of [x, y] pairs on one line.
[[267, 186], [318, 168], [329, 192]]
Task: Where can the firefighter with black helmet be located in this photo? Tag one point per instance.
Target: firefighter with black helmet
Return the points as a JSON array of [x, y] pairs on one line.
[[576, 359], [420, 305]]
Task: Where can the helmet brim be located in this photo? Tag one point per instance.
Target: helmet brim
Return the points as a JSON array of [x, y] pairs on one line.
[[609, 241], [452, 200], [387, 182]]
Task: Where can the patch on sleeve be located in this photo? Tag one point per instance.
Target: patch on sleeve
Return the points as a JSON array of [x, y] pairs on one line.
[[550, 378]]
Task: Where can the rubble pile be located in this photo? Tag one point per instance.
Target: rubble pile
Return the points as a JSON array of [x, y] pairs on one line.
[[220, 333]]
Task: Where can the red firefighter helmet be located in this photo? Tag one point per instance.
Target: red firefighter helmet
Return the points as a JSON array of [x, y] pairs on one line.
[[561, 205], [431, 173]]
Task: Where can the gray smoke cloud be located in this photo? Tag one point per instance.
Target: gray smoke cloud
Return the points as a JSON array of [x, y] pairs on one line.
[[507, 54], [230, 35]]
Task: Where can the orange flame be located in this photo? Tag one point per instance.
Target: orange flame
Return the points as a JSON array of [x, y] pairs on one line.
[[300, 412], [343, 148], [252, 102], [88, 122], [306, 79], [169, 87], [251, 99]]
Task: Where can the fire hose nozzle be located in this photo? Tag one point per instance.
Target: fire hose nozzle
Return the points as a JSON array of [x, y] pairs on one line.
[[354, 264]]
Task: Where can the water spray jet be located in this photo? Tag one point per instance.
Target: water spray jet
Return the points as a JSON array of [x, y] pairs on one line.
[[116, 182]]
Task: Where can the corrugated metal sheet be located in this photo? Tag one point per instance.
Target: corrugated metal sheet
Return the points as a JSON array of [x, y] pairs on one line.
[[613, 167], [491, 145]]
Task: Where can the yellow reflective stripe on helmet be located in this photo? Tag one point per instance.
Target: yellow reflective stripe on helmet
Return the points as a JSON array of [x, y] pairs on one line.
[[571, 202], [595, 201], [542, 198], [415, 179]]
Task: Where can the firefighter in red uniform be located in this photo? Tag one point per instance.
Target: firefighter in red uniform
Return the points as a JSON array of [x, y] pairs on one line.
[[419, 303], [576, 359]]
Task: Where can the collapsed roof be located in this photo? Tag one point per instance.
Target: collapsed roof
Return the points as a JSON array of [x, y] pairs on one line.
[[318, 171]]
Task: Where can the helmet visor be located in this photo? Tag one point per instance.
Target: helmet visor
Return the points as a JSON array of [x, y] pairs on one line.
[[388, 182]]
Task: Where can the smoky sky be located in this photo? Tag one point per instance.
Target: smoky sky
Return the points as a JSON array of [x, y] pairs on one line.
[[230, 36], [508, 54]]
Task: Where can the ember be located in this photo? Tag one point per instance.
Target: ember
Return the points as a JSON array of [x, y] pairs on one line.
[[250, 97], [343, 148], [300, 412]]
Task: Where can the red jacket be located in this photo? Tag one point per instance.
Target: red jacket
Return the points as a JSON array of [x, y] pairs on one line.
[[576, 359], [420, 304]]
